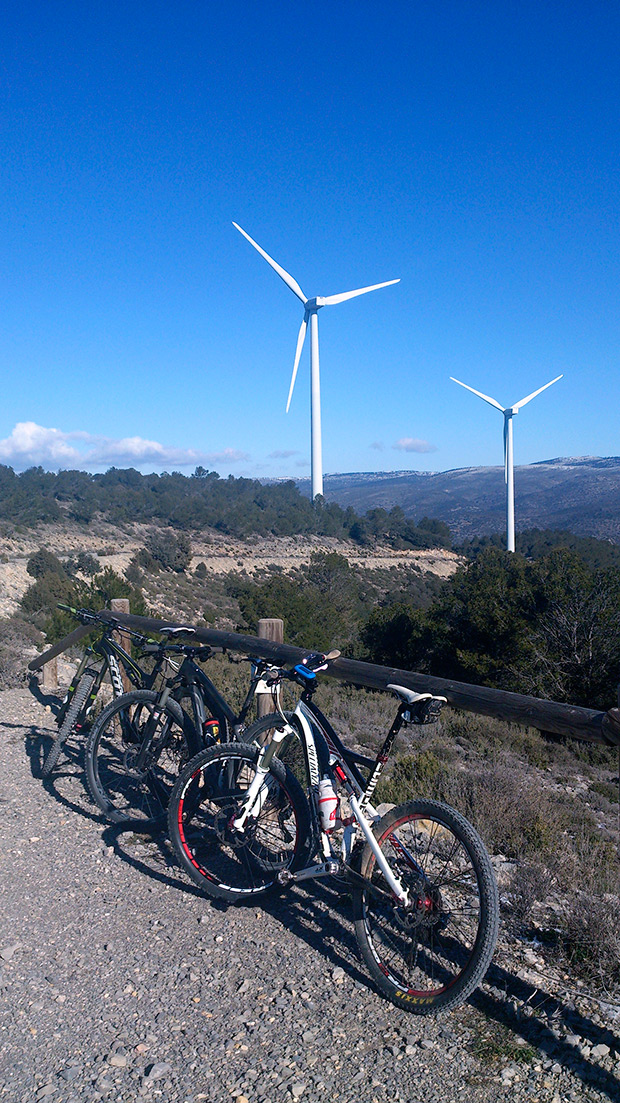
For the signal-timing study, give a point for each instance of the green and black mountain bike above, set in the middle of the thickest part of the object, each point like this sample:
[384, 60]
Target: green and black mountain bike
[138, 744]
[106, 656]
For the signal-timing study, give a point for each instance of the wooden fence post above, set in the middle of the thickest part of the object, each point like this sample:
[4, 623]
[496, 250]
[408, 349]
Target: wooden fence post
[50, 674]
[121, 605]
[269, 628]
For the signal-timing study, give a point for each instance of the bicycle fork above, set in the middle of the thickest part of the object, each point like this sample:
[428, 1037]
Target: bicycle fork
[258, 789]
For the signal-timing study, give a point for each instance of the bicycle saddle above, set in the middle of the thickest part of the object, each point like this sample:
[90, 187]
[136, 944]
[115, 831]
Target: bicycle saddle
[409, 696]
[424, 708]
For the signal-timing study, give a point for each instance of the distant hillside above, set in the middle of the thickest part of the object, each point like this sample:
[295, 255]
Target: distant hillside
[579, 494]
[235, 507]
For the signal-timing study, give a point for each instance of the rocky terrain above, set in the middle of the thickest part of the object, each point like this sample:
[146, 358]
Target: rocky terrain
[119, 981]
[114, 548]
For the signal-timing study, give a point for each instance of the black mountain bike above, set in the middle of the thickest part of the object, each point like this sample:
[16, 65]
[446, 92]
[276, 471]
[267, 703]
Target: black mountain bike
[425, 901]
[140, 741]
[105, 656]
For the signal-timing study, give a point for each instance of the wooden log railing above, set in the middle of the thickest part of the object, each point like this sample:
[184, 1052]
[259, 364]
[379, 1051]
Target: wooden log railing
[569, 721]
[554, 717]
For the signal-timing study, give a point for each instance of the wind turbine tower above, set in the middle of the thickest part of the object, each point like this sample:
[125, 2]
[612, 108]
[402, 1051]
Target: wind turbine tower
[311, 310]
[509, 473]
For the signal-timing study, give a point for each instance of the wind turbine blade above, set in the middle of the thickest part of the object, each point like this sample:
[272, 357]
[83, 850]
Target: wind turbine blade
[300, 344]
[505, 449]
[331, 300]
[283, 274]
[529, 398]
[486, 398]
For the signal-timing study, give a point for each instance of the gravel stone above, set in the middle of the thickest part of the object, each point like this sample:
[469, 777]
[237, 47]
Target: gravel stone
[156, 1071]
[601, 1050]
[118, 1060]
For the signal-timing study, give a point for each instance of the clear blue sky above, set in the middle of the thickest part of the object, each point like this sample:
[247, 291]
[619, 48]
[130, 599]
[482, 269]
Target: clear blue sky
[470, 149]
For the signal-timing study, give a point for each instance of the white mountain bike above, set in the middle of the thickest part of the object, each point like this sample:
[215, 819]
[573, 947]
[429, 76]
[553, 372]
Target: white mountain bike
[425, 900]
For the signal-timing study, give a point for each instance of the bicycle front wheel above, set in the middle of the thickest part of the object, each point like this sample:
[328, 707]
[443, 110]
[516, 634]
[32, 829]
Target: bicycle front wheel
[133, 756]
[74, 715]
[290, 751]
[227, 863]
[429, 955]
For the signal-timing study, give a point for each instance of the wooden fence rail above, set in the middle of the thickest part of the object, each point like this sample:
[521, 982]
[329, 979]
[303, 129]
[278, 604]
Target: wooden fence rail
[569, 721]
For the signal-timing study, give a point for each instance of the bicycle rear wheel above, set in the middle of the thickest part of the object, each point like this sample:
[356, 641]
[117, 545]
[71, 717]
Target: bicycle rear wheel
[131, 782]
[73, 716]
[229, 864]
[431, 955]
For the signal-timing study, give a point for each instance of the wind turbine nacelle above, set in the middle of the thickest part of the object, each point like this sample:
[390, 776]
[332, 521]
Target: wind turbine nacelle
[314, 304]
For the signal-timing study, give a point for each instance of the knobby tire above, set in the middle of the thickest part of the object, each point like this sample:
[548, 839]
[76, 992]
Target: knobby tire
[72, 716]
[230, 865]
[126, 795]
[431, 956]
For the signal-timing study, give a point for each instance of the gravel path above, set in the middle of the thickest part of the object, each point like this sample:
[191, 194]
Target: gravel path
[121, 982]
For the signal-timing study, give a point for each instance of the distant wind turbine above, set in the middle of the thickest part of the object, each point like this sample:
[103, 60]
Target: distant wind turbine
[509, 473]
[311, 309]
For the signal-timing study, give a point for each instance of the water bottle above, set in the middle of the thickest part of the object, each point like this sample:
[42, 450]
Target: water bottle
[328, 803]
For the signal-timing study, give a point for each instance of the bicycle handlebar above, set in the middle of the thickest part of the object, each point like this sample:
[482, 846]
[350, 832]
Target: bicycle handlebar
[110, 624]
[305, 672]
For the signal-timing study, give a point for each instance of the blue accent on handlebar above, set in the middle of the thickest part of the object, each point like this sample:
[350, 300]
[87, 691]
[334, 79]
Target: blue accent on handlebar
[308, 675]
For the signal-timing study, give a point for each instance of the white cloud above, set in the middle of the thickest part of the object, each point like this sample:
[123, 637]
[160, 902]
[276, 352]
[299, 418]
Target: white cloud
[282, 455]
[31, 444]
[410, 444]
[378, 446]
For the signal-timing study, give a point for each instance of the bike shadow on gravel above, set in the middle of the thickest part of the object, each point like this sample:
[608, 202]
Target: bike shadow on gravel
[324, 922]
[506, 1004]
[70, 769]
[54, 700]
[37, 744]
[321, 916]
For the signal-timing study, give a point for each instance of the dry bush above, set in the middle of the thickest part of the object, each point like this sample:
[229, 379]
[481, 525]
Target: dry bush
[590, 938]
[16, 636]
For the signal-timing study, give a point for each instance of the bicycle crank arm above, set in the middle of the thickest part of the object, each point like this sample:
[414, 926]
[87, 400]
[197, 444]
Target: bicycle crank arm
[323, 869]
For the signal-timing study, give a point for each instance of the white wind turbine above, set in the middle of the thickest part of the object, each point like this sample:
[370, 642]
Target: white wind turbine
[311, 309]
[509, 473]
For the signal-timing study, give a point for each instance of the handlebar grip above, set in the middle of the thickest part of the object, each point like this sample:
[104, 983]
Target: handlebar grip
[85, 615]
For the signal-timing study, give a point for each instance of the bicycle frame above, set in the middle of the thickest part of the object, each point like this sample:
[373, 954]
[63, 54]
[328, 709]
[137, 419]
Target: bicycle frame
[326, 755]
[112, 655]
[193, 680]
